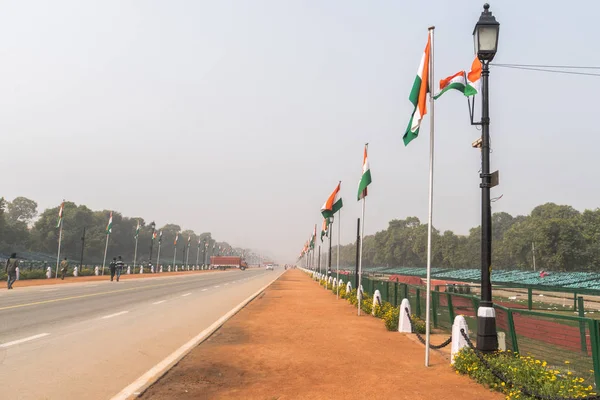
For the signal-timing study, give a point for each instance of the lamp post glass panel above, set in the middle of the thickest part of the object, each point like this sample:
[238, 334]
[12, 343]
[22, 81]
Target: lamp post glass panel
[485, 36]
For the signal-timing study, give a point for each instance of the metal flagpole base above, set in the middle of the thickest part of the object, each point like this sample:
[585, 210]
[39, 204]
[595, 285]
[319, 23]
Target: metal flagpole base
[487, 336]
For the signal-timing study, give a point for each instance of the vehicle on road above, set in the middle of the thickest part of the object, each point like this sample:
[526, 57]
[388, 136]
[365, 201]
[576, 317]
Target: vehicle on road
[269, 267]
[224, 262]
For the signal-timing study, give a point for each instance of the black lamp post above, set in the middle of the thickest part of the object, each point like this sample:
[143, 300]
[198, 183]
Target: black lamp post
[152, 225]
[485, 36]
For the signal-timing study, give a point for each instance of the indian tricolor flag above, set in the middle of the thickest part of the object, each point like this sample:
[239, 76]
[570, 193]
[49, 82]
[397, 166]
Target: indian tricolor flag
[333, 203]
[176, 238]
[60, 214]
[137, 230]
[109, 226]
[418, 96]
[457, 81]
[325, 228]
[474, 78]
[468, 84]
[365, 179]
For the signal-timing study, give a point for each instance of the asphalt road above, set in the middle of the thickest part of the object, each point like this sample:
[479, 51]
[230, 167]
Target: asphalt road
[90, 340]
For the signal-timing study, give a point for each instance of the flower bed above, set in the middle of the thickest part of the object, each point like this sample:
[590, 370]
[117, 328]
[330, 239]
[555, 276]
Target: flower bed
[534, 375]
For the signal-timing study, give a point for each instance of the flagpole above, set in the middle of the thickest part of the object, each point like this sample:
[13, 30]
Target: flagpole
[430, 218]
[198, 256]
[187, 256]
[362, 234]
[319, 258]
[105, 251]
[157, 257]
[174, 256]
[135, 252]
[329, 257]
[338, 254]
[59, 242]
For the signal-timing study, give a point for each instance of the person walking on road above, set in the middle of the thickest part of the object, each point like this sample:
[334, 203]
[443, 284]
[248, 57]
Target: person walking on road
[119, 266]
[64, 267]
[113, 268]
[11, 269]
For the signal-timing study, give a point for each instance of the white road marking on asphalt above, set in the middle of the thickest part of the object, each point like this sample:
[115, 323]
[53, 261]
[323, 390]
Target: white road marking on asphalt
[27, 339]
[187, 294]
[226, 283]
[217, 286]
[49, 290]
[114, 315]
[159, 369]
[158, 302]
[204, 290]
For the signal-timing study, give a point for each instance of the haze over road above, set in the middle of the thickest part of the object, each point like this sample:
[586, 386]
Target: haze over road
[90, 340]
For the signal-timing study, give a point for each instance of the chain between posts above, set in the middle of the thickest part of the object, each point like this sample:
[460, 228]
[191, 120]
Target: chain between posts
[507, 381]
[432, 346]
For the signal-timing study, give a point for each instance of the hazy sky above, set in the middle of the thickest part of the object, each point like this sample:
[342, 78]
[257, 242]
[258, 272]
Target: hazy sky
[239, 117]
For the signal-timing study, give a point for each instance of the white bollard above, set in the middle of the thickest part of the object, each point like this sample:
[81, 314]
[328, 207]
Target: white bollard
[75, 271]
[176, 268]
[18, 273]
[129, 270]
[501, 341]
[348, 287]
[330, 280]
[458, 341]
[404, 321]
[96, 271]
[141, 269]
[152, 269]
[340, 283]
[376, 300]
[169, 268]
[334, 283]
[49, 273]
[160, 269]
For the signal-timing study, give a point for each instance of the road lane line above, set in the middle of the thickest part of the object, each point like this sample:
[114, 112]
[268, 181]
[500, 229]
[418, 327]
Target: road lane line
[19, 341]
[154, 373]
[48, 290]
[114, 315]
[217, 286]
[158, 302]
[226, 283]
[204, 290]
[187, 294]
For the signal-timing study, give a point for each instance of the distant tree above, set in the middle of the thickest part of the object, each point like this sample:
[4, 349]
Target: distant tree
[21, 209]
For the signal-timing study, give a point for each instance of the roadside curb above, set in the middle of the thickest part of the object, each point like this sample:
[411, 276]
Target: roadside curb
[141, 384]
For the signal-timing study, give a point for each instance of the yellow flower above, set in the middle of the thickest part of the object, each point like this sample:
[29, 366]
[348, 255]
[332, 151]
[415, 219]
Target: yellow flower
[544, 364]
[503, 384]
[567, 362]
[569, 373]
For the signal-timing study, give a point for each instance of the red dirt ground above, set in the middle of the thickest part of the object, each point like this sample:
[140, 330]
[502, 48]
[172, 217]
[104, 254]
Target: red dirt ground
[296, 341]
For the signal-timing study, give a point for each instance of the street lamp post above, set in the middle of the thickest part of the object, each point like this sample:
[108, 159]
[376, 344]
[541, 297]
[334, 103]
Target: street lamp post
[485, 36]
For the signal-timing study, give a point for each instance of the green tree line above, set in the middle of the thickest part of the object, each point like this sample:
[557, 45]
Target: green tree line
[564, 240]
[36, 237]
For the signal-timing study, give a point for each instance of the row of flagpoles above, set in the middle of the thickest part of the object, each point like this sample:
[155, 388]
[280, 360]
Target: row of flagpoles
[60, 223]
[468, 85]
[333, 206]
